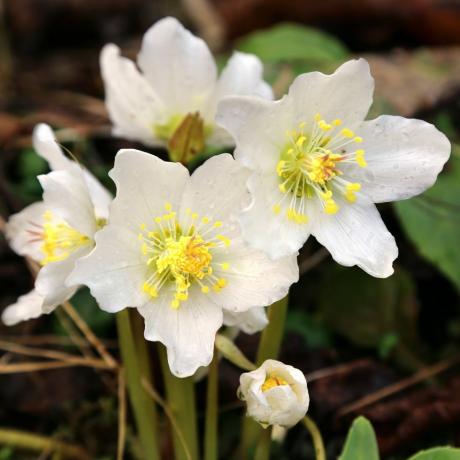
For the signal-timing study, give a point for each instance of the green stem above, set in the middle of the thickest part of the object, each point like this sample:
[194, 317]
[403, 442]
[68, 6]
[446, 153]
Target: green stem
[263, 447]
[134, 352]
[269, 348]
[211, 427]
[316, 436]
[180, 394]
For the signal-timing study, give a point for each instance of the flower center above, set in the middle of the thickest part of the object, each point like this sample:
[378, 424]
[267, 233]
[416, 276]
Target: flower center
[309, 166]
[59, 239]
[179, 255]
[273, 381]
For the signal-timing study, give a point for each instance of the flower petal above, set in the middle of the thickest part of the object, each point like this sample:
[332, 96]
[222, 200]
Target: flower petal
[132, 103]
[404, 157]
[187, 332]
[66, 194]
[259, 128]
[267, 231]
[28, 306]
[356, 235]
[250, 321]
[114, 271]
[178, 65]
[345, 94]
[46, 146]
[144, 185]
[217, 189]
[23, 231]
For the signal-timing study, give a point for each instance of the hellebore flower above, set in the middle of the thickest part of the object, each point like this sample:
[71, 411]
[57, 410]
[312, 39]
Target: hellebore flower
[57, 231]
[178, 85]
[318, 168]
[275, 394]
[172, 249]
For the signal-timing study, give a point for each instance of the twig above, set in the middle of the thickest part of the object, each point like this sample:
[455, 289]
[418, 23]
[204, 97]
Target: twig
[121, 415]
[42, 366]
[312, 261]
[49, 339]
[389, 390]
[89, 334]
[159, 400]
[334, 370]
[36, 443]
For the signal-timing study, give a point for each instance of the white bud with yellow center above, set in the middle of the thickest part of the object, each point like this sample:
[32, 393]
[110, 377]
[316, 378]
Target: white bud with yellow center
[275, 394]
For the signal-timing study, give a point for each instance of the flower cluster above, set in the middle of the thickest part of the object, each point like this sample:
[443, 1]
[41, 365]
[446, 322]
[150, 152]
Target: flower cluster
[194, 252]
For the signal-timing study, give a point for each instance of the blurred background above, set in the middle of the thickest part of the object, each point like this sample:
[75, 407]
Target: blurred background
[387, 349]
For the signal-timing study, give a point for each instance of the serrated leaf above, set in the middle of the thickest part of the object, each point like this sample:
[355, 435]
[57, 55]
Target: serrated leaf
[432, 221]
[361, 443]
[438, 453]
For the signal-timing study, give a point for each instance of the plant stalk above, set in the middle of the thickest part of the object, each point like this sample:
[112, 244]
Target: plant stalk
[316, 437]
[264, 444]
[212, 406]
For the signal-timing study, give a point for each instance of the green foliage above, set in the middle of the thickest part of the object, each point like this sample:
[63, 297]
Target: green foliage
[304, 48]
[361, 443]
[438, 453]
[6, 453]
[312, 331]
[30, 165]
[432, 221]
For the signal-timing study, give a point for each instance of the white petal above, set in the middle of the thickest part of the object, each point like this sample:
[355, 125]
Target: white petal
[178, 65]
[356, 235]
[114, 271]
[100, 196]
[144, 185]
[132, 103]
[187, 332]
[263, 229]
[217, 189]
[259, 128]
[404, 157]
[27, 307]
[253, 278]
[250, 321]
[66, 194]
[46, 146]
[51, 281]
[243, 75]
[345, 94]
[23, 230]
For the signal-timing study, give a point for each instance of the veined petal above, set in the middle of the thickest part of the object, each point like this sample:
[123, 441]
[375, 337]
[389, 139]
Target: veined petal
[66, 194]
[249, 321]
[144, 185]
[28, 306]
[356, 235]
[258, 126]
[178, 65]
[271, 231]
[133, 105]
[23, 231]
[46, 146]
[187, 332]
[253, 278]
[243, 75]
[404, 157]
[114, 271]
[346, 94]
[217, 189]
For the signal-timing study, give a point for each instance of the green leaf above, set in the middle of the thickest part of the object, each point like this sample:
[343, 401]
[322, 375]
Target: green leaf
[312, 331]
[432, 221]
[438, 453]
[290, 42]
[361, 443]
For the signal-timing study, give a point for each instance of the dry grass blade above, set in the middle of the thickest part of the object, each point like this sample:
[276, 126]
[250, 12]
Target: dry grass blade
[121, 415]
[390, 390]
[42, 366]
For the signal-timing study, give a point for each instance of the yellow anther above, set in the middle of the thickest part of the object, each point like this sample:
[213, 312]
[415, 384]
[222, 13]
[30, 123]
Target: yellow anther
[358, 139]
[337, 122]
[217, 224]
[205, 220]
[222, 282]
[194, 215]
[175, 304]
[144, 249]
[205, 289]
[282, 188]
[181, 296]
[330, 206]
[301, 125]
[225, 266]
[168, 206]
[272, 382]
[143, 226]
[327, 194]
[280, 166]
[354, 186]
[276, 208]
[359, 156]
[158, 220]
[317, 117]
[347, 133]
[224, 240]
[324, 126]
[300, 141]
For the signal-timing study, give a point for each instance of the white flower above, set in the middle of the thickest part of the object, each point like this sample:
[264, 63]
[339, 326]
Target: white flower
[172, 249]
[179, 77]
[275, 394]
[318, 168]
[250, 321]
[56, 231]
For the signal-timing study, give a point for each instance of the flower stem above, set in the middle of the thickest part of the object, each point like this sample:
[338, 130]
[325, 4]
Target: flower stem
[316, 436]
[263, 447]
[269, 347]
[211, 421]
[133, 353]
[180, 394]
